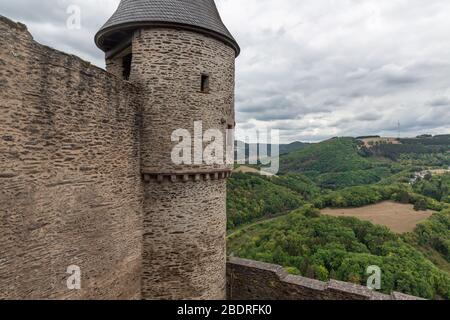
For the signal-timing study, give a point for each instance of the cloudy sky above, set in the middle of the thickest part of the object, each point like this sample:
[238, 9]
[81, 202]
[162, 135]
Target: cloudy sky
[313, 69]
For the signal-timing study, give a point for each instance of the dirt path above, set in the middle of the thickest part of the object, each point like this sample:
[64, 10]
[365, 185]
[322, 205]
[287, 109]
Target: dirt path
[260, 221]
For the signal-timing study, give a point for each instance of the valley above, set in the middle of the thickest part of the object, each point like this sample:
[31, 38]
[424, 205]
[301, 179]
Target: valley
[337, 207]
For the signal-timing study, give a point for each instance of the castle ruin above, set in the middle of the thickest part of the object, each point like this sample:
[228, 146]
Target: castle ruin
[86, 177]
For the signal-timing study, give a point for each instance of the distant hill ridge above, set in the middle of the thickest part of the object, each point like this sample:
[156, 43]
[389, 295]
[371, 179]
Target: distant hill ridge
[425, 139]
[283, 148]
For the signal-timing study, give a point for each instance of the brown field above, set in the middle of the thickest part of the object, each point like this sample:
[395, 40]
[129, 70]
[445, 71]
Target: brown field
[400, 218]
[439, 172]
[245, 169]
[370, 142]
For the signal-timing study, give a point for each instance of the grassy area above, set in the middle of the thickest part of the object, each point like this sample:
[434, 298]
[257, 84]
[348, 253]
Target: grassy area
[398, 217]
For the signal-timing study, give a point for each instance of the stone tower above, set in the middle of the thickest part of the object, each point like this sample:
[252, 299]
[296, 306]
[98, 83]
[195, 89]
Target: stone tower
[182, 57]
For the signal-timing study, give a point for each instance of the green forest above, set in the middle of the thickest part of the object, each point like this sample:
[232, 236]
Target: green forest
[278, 220]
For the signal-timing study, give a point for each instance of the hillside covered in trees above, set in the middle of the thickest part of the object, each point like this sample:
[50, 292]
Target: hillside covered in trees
[344, 173]
[322, 247]
[336, 163]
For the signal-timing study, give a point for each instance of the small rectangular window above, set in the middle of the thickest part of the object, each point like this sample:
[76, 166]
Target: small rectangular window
[126, 66]
[205, 83]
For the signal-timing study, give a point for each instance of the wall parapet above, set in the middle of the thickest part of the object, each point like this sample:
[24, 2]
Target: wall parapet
[254, 280]
[187, 176]
[70, 185]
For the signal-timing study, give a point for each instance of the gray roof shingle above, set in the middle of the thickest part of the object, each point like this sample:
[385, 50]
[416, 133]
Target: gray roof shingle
[198, 15]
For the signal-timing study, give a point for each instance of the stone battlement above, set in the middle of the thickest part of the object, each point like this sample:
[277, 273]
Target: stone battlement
[253, 280]
[187, 176]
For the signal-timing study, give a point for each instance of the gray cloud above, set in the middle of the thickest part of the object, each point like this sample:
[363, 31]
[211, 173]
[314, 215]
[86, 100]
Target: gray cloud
[369, 116]
[47, 22]
[440, 102]
[312, 69]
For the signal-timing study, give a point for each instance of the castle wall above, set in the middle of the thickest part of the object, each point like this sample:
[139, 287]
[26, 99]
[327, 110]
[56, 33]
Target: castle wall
[184, 240]
[184, 206]
[168, 63]
[70, 184]
[115, 67]
[253, 280]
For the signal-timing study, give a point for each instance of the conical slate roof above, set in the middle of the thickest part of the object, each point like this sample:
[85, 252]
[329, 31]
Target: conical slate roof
[198, 15]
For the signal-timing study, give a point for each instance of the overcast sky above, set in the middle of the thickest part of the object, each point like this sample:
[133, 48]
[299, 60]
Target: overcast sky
[314, 69]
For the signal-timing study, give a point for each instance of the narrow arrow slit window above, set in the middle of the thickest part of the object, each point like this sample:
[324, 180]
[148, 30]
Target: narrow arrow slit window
[205, 83]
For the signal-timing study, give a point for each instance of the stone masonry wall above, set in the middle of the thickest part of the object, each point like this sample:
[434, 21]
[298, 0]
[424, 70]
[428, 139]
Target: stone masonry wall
[184, 240]
[184, 205]
[252, 280]
[168, 64]
[70, 186]
[115, 67]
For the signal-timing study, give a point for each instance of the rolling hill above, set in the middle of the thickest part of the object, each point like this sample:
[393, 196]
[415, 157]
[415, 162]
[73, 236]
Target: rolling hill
[334, 155]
